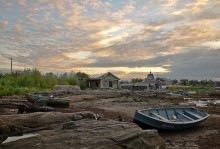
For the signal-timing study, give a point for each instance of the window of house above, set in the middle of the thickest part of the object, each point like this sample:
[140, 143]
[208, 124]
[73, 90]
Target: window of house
[110, 83]
[97, 84]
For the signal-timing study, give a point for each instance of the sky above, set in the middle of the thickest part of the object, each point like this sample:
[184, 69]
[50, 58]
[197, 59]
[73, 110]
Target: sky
[176, 39]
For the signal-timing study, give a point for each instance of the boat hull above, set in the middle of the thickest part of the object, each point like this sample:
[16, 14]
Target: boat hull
[148, 122]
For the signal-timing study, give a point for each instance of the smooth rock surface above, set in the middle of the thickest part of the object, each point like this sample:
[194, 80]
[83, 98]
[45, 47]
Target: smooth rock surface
[80, 130]
[92, 134]
[42, 120]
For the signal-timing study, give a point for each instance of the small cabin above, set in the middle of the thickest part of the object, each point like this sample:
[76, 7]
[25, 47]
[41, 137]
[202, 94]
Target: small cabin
[107, 80]
[140, 86]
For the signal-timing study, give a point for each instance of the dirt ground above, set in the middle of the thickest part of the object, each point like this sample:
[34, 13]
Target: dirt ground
[122, 108]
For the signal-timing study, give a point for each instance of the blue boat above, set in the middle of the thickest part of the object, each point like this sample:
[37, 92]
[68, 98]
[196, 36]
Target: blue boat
[173, 118]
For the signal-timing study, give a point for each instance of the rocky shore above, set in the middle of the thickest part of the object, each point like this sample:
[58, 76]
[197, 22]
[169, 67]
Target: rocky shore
[103, 119]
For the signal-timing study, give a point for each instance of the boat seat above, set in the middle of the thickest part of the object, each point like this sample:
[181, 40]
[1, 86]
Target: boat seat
[160, 117]
[185, 116]
[195, 115]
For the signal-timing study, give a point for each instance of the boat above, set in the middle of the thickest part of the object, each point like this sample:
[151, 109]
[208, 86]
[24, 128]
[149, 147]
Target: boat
[172, 118]
[47, 101]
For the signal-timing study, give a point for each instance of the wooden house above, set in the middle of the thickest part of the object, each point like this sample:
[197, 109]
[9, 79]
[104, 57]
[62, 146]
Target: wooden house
[107, 80]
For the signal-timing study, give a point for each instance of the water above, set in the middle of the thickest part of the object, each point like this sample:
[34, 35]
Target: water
[203, 103]
[15, 138]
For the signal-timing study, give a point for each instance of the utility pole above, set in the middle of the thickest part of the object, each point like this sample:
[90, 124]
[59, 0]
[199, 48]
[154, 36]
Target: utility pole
[11, 65]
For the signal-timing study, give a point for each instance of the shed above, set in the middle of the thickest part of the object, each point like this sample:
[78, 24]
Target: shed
[107, 80]
[128, 86]
[140, 86]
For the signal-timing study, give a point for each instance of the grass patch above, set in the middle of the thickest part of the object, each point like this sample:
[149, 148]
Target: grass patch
[191, 88]
[27, 81]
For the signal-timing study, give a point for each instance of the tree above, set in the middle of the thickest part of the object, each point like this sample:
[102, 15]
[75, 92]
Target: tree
[204, 82]
[174, 81]
[211, 83]
[135, 80]
[193, 82]
[217, 83]
[65, 75]
[82, 75]
[50, 75]
[184, 81]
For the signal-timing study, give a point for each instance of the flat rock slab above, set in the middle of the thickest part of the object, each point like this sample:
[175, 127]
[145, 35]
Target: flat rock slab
[42, 119]
[91, 134]
[87, 133]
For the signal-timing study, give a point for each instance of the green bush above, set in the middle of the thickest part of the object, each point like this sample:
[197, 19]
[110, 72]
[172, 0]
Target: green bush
[25, 80]
[63, 81]
[82, 85]
[6, 92]
[17, 91]
[72, 81]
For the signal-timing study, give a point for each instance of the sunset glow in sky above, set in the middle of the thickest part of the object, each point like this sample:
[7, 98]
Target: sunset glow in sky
[174, 38]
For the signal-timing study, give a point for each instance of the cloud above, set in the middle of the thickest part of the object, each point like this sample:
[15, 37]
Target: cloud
[199, 63]
[128, 38]
[211, 44]
[4, 25]
[95, 3]
[127, 9]
[22, 3]
[18, 27]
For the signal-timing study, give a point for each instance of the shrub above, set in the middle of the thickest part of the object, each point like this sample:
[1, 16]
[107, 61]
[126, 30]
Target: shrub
[72, 81]
[17, 91]
[82, 85]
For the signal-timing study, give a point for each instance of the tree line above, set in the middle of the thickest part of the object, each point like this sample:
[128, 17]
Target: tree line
[186, 82]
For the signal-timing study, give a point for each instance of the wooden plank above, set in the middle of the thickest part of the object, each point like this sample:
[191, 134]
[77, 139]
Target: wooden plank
[185, 116]
[159, 116]
[167, 114]
[176, 115]
[193, 114]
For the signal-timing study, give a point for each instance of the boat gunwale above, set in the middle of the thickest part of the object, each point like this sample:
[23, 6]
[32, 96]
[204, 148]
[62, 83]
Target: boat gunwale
[172, 122]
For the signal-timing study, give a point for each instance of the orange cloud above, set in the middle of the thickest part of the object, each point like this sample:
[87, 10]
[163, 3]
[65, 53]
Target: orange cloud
[4, 25]
[18, 27]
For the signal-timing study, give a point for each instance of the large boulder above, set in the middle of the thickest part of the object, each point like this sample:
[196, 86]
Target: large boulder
[91, 134]
[27, 122]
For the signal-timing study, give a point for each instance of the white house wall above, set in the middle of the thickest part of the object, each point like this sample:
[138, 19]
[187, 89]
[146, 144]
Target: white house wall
[105, 81]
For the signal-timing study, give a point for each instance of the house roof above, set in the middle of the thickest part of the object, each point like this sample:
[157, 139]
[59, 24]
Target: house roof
[141, 84]
[130, 84]
[108, 73]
